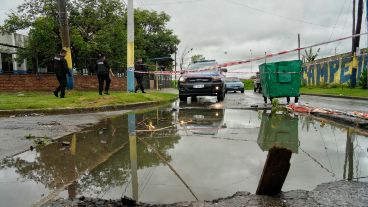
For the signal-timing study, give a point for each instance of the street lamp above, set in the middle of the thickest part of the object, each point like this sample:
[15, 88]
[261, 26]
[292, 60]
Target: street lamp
[185, 53]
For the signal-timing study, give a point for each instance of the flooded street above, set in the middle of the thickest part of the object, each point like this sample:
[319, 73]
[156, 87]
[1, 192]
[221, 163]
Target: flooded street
[184, 152]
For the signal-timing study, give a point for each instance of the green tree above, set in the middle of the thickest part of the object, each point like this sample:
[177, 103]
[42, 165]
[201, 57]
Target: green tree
[96, 26]
[42, 44]
[197, 57]
[153, 39]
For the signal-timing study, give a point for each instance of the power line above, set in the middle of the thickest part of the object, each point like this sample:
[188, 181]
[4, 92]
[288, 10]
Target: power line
[173, 2]
[337, 20]
[345, 21]
[276, 15]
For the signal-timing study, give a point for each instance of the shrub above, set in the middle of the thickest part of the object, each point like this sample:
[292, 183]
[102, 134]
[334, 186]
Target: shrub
[333, 85]
[248, 84]
[322, 85]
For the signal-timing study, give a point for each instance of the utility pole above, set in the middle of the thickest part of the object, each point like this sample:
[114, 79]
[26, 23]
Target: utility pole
[175, 68]
[356, 41]
[265, 57]
[64, 34]
[130, 48]
[367, 38]
[251, 62]
[353, 28]
[298, 46]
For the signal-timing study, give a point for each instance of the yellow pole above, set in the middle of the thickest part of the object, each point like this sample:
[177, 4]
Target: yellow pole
[130, 48]
[65, 39]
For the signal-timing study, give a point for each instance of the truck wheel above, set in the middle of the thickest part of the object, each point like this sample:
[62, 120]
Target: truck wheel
[183, 98]
[242, 91]
[220, 97]
[265, 99]
[194, 99]
[255, 90]
[296, 99]
[288, 100]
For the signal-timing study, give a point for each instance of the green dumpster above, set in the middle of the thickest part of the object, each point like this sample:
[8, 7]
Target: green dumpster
[281, 79]
[278, 130]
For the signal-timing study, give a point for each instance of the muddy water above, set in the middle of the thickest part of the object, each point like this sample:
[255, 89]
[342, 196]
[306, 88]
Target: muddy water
[165, 156]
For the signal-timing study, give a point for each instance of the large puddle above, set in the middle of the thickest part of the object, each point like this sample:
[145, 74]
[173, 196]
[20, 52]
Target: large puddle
[166, 156]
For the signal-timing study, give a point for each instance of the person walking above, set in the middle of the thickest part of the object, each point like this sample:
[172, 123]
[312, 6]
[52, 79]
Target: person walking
[61, 70]
[138, 69]
[103, 70]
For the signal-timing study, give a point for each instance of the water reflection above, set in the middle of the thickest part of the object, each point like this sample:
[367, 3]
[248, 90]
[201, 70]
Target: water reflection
[91, 162]
[166, 155]
[201, 121]
[133, 154]
[278, 135]
[278, 130]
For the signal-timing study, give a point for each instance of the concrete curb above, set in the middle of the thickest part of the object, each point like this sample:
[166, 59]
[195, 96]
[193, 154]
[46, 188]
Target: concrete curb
[335, 96]
[50, 111]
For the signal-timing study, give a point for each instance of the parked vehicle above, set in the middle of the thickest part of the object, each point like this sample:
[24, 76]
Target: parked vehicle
[195, 82]
[257, 86]
[234, 84]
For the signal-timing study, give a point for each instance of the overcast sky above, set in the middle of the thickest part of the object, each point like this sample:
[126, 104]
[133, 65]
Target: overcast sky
[227, 30]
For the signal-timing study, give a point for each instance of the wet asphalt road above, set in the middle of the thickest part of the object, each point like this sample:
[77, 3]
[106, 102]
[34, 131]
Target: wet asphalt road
[249, 98]
[237, 100]
[14, 129]
[214, 134]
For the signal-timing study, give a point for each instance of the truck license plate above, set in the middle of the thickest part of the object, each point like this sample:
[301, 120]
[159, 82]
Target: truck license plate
[198, 86]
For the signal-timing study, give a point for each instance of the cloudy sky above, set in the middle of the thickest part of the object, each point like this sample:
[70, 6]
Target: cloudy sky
[228, 30]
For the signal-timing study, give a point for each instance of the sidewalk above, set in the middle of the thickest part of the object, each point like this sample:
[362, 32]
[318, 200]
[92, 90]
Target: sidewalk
[336, 96]
[168, 90]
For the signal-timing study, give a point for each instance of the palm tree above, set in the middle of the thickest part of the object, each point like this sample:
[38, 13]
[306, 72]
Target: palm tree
[310, 56]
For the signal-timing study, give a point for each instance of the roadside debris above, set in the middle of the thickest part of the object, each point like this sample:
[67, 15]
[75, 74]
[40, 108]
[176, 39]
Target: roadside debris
[355, 118]
[26, 115]
[43, 141]
[49, 124]
[102, 130]
[39, 141]
[30, 136]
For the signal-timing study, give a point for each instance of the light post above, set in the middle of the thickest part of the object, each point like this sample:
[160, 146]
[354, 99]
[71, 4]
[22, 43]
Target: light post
[185, 53]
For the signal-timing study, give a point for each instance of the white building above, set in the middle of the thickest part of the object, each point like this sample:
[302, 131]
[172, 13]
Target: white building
[8, 49]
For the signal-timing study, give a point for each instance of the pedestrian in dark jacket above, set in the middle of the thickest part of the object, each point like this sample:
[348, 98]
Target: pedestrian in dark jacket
[103, 70]
[138, 69]
[61, 70]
